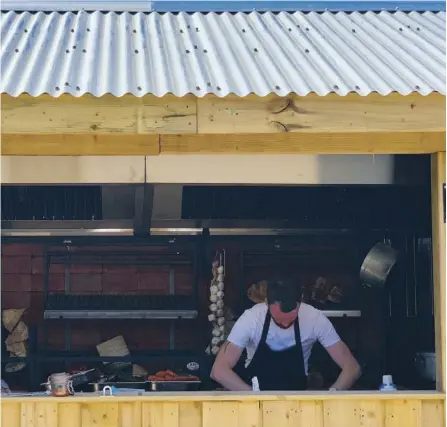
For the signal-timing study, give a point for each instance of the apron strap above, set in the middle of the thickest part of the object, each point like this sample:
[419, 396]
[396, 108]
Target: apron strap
[300, 361]
[265, 328]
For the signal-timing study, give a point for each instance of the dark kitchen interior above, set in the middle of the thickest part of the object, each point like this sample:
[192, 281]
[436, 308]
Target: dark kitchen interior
[330, 231]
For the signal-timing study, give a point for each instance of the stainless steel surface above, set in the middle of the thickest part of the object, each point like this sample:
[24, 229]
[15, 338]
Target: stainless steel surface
[173, 227]
[378, 264]
[174, 385]
[342, 313]
[120, 314]
[99, 386]
[242, 53]
[426, 365]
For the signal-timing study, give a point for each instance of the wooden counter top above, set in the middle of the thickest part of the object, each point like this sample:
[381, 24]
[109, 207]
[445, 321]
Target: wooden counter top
[236, 396]
[225, 409]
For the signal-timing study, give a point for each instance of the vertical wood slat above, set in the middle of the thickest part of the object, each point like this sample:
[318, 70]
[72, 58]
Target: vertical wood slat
[438, 164]
[69, 415]
[11, 415]
[400, 413]
[278, 413]
[292, 414]
[100, 415]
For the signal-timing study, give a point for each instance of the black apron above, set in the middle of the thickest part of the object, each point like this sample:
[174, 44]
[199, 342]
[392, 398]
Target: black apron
[276, 370]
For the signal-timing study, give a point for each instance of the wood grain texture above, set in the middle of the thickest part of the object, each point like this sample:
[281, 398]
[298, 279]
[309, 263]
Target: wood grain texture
[232, 114]
[313, 113]
[438, 179]
[89, 144]
[359, 412]
[305, 143]
[108, 114]
[256, 143]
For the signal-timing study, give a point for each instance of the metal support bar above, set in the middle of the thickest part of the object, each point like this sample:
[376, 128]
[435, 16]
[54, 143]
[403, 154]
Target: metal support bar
[144, 201]
[172, 324]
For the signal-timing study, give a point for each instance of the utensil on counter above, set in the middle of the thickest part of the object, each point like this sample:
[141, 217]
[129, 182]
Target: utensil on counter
[59, 385]
[174, 385]
[378, 264]
[426, 365]
[99, 386]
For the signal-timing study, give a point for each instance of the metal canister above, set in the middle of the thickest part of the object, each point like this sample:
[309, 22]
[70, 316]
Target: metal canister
[60, 384]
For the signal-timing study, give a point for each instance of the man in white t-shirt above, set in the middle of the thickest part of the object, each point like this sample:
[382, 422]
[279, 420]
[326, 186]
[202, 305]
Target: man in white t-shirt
[278, 336]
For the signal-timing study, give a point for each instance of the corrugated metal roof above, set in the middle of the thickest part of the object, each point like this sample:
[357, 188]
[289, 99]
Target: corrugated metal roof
[240, 53]
[222, 5]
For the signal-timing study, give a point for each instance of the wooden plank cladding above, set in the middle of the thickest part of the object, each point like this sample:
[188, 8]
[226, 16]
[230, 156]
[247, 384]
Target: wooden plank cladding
[146, 412]
[213, 115]
[91, 144]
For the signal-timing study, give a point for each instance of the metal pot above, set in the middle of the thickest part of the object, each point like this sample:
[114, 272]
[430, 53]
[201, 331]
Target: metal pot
[377, 265]
[426, 365]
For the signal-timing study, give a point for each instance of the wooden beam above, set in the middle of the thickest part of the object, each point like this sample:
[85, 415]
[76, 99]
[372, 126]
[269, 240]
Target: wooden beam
[232, 114]
[87, 144]
[438, 180]
[307, 143]
[279, 143]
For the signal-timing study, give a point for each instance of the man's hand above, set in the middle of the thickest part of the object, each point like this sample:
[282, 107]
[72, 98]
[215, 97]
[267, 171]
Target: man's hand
[350, 369]
[222, 370]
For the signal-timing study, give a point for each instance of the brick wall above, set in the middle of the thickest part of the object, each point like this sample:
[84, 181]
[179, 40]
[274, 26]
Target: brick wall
[23, 281]
[23, 287]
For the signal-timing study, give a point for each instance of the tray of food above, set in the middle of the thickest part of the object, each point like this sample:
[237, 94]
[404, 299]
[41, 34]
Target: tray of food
[170, 381]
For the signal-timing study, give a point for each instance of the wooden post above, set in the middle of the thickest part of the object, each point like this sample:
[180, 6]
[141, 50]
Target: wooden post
[439, 278]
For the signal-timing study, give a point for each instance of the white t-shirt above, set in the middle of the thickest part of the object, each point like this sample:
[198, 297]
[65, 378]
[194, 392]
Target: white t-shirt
[314, 326]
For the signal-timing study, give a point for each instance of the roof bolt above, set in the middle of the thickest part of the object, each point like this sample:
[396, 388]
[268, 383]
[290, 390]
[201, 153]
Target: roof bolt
[67, 84]
[307, 51]
[298, 26]
[135, 31]
[16, 50]
[400, 29]
[78, 88]
[26, 30]
[256, 50]
[57, 88]
[243, 30]
[136, 51]
[357, 88]
[88, 30]
[195, 46]
[197, 87]
[307, 29]
[418, 29]
[205, 51]
[218, 88]
[187, 51]
[290, 29]
[189, 27]
[181, 31]
[84, 51]
[197, 30]
[417, 87]
[336, 87]
[353, 30]
[67, 51]
[139, 88]
[72, 30]
[208, 84]
[277, 88]
[74, 47]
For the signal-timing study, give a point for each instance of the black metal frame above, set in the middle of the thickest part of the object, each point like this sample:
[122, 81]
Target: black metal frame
[144, 201]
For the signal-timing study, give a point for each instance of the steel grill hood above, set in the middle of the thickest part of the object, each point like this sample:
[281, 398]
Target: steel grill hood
[131, 206]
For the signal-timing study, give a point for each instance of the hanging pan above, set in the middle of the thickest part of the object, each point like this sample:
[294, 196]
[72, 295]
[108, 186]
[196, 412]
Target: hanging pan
[378, 264]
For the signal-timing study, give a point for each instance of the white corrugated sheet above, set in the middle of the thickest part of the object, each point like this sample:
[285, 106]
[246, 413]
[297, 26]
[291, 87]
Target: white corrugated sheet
[240, 53]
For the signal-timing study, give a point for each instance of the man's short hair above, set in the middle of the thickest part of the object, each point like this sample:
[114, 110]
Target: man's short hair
[285, 293]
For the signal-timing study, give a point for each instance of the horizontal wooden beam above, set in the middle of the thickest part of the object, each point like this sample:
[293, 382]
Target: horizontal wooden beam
[261, 143]
[228, 115]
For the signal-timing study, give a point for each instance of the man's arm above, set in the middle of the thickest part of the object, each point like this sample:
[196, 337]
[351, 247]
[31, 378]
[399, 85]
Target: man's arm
[222, 370]
[350, 369]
